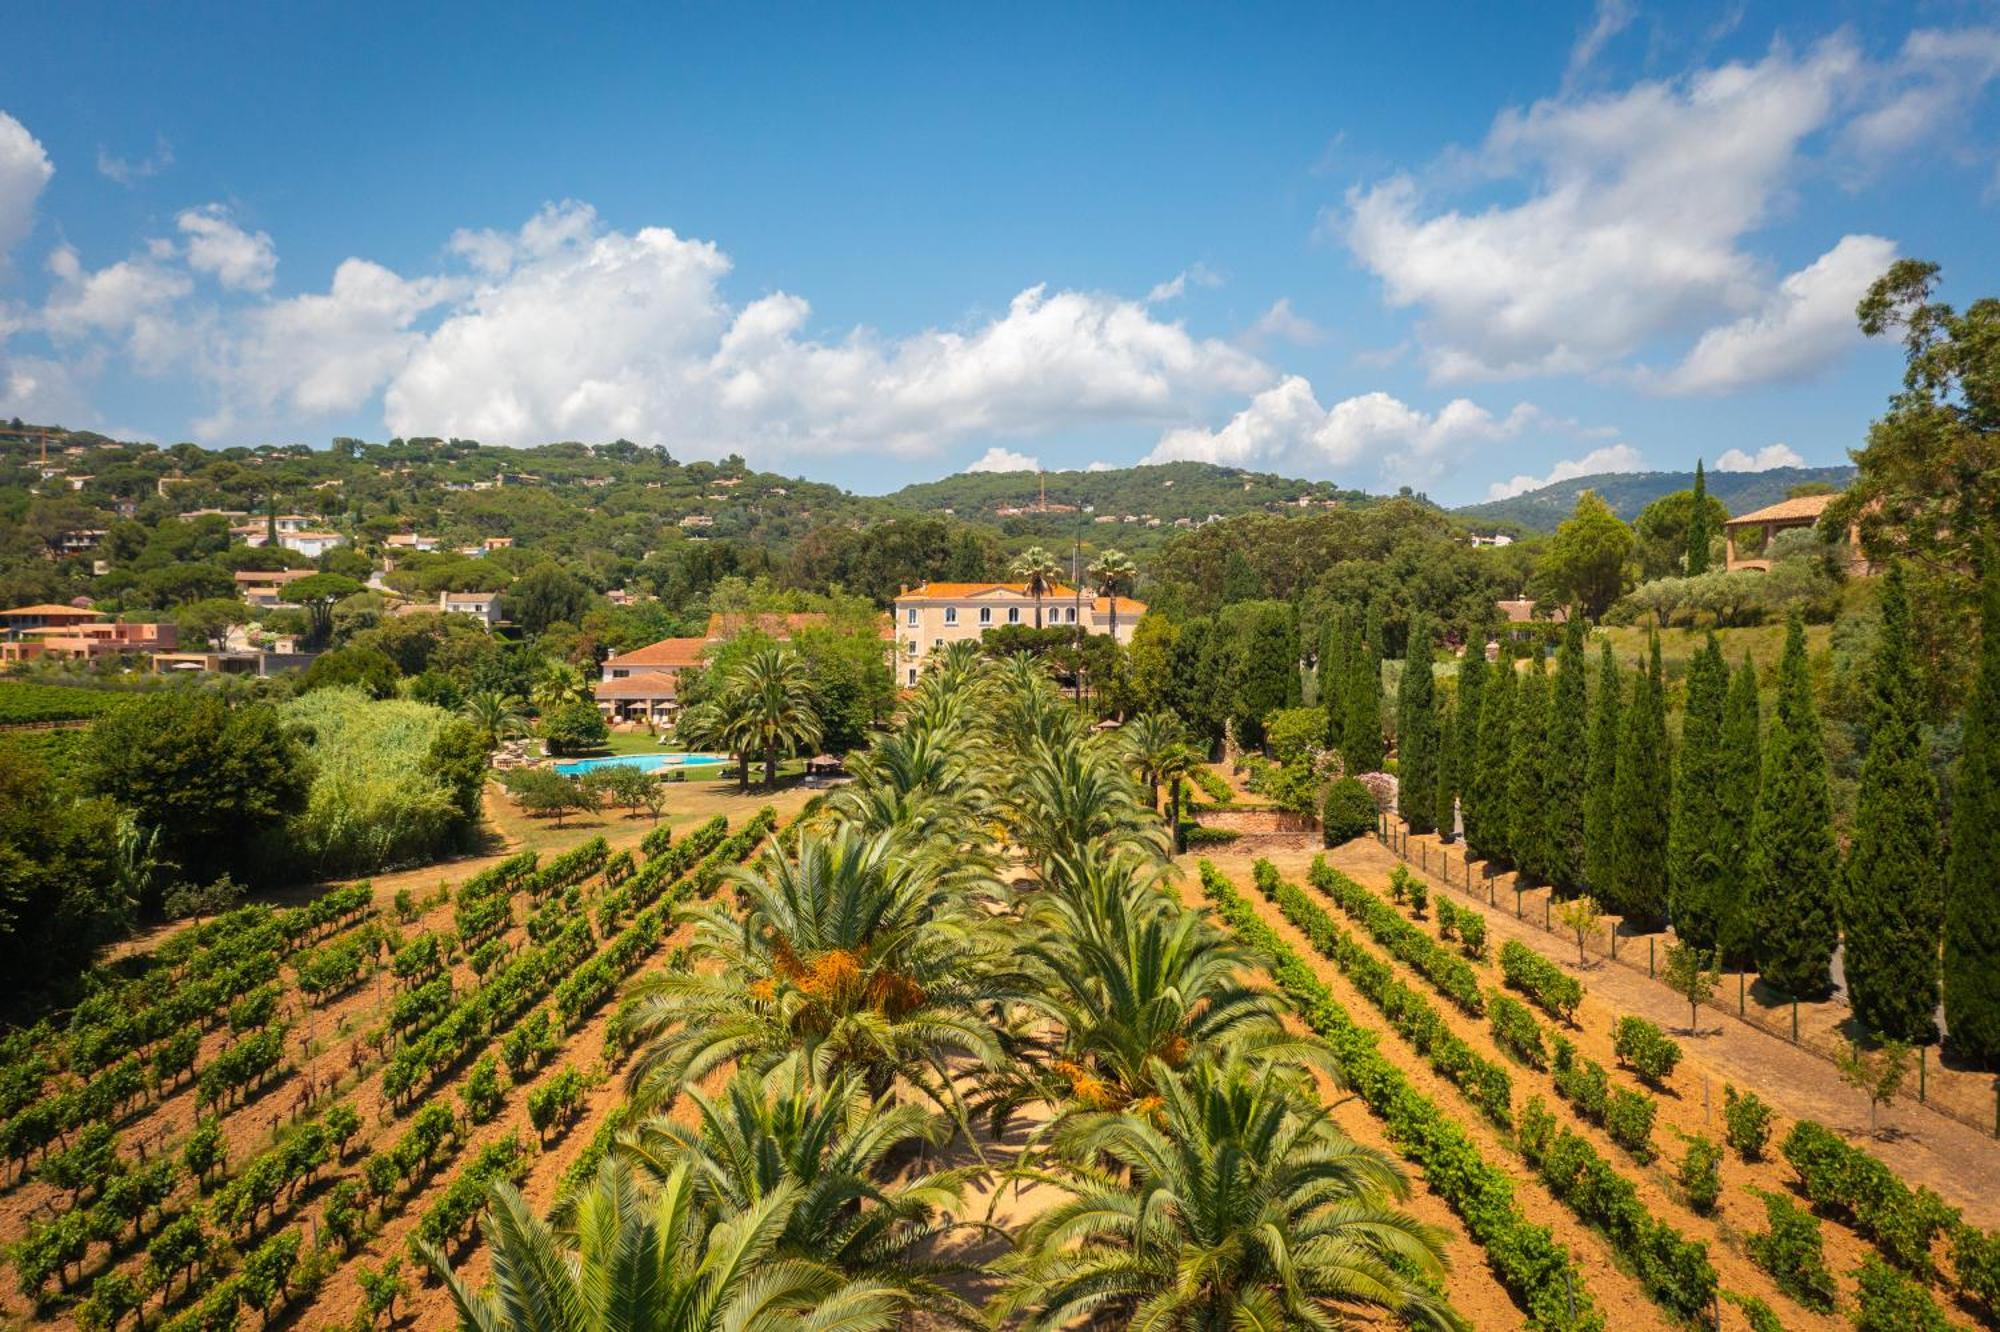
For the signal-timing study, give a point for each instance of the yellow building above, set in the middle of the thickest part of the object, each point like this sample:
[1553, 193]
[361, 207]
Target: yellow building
[930, 616]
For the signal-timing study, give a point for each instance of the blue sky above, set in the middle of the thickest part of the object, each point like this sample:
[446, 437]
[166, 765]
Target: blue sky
[1462, 251]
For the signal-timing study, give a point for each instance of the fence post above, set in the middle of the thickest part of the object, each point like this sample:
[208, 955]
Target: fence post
[1922, 1079]
[1517, 899]
[1548, 907]
[1740, 988]
[1649, 955]
[1614, 943]
[1795, 1022]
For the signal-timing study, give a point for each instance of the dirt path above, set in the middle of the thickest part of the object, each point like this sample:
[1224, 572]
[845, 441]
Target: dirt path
[1962, 1166]
[1616, 1292]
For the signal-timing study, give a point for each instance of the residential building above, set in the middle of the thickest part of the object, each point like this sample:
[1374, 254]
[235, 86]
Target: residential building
[261, 664]
[484, 605]
[89, 642]
[410, 541]
[265, 588]
[311, 544]
[47, 615]
[1785, 516]
[647, 696]
[930, 616]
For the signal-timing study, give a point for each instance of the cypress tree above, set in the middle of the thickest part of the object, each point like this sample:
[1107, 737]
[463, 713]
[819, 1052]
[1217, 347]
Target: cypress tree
[1699, 536]
[1642, 801]
[1496, 758]
[1972, 883]
[1331, 677]
[1527, 810]
[1742, 767]
[1465, 732]
[1893, 914]
[1600, 795]
[1445, 808]
[1696, 840]
[1794, 864]
[1417, 731]
[1361, 729]
[1568, 761]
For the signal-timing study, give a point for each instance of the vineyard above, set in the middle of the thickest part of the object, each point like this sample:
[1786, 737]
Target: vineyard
[1586, 1159]
[269, 1112]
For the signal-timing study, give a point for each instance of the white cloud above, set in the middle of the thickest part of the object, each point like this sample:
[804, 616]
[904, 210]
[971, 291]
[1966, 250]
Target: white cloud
[126, 172]
[1285, 426]
[1803, 326]
[24, 170]
[1632, 226]
[132, 299]
[1101, 466]
[1771, 455]
[1610, 18]
[1281, 323]
[997, 459]
[1197, 274]
[240, 260]
[1611, 458]
[1929, 88]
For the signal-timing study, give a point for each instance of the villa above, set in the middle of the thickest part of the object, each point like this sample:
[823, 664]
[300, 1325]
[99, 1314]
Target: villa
[265, 588]
[312, 545]
[23, 620]
[88, 642]
[485, 606]
[1802, 511]
[930, 616]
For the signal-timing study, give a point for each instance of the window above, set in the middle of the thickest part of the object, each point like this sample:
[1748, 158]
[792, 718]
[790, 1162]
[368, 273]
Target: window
[986, 615]
[951, 615]
[1072, 614]
[913, 675]
[1013, 615]
[911, 617]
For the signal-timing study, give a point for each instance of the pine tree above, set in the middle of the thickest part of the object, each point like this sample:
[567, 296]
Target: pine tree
[1699, 534]
[1696, 854]
[1642, 801]
[1794, 864]
[1568, 761]
[1527, 809]
[1417, 731]
[1361, 729]
[1893, 914]
[1972, 882]
[1600, 799]
[1742, 767]
[1496, 758]
[1465, 731]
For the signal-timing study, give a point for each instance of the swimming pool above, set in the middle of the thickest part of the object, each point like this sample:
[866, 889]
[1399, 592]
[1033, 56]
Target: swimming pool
[643, 762]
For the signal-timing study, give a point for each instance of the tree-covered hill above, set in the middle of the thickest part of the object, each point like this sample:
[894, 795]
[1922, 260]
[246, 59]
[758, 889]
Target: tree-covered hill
[1628, 492]
[1191, 490]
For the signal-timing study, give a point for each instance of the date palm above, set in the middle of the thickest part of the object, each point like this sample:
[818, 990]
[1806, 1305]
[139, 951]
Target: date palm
[1039, 570]
[836, 1151]
[656, 1260]
[1114, 574]
[1239, 1204]
[496, 716]
[768, 699]
[557, 683]
[1156, 746]
[1070, 796]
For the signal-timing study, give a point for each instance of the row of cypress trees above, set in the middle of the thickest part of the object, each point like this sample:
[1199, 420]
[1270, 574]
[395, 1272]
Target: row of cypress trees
[1729, 834]
[1349, 680]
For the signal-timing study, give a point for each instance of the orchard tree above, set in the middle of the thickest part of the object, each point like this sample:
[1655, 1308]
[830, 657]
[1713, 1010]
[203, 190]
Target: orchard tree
[1892, 916]
[1794, 863]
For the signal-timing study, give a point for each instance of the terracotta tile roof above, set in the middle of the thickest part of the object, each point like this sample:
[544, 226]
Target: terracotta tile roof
[1800, 509]
[955, 591]
[674, 653]
[1127, 607]
[1521, 610]
[647, 684]
[50, 608]
[271, 575]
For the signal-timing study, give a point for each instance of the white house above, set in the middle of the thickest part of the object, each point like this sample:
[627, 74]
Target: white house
[484, 605]
[310, 544]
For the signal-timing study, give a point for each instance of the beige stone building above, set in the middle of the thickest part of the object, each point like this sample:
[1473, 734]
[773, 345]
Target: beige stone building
[930, 616]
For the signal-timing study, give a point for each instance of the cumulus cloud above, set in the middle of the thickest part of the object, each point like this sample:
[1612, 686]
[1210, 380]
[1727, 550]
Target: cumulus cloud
[997, 459]
[25, 170]
[126, 172]
[1285, 426]
[1801, 328]
[1763, 460]
[1281, 323]
[1101, 466]
[240, 260]
[1611, 458]
[131, 300]
[1927, 90]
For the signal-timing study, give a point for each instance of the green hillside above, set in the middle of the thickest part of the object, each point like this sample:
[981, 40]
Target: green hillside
[1628, 492]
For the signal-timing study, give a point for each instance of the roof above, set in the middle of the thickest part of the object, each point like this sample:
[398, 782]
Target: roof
[51, 608]
[646, 684]
[271, 575]
[470, 598]
[671, 653]
[961, 591]
[723, 625]
[1521, 610]
[1802, 508]
[1126, 606]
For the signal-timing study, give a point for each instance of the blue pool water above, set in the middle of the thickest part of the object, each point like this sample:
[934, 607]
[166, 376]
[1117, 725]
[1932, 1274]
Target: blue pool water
[643, 762]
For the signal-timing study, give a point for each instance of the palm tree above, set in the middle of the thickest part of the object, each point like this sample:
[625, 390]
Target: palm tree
[659, 1261]
[1070, 796]
[865, 959]
[1039, 570]
[1113, 572]
[557, 683]
[496, 716]
[836, 1151]
[1156, 745]
[767, 698]
[1239, 1204]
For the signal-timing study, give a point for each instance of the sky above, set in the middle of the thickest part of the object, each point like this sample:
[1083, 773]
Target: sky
[1465, 249]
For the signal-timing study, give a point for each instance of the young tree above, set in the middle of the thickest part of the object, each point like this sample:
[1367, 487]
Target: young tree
[1600, 801]
[1876, 1073]
[1361, 728]
[1417, 731]
[1892, 916]
[1642, 801]
[1697, 858]
[1527, 812]
[1794, 863]
[1699, 535]
[1741, 778]
[1568, 760]
[1972, 887]
[1692, 974]
[1582, 917]
[1488, 831]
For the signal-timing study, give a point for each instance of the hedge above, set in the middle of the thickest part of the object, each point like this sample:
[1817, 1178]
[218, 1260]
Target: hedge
[1452, 975]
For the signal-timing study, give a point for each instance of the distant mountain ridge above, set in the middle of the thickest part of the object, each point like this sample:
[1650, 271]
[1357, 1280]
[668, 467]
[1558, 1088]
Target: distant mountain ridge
[1542, 509]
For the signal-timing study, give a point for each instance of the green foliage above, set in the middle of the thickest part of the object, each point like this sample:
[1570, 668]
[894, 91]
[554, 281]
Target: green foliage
[1698, 854]
[1628, 1120]
[1566, 765]
[1488, 828]
[1516, 1031]
[1554, 990]
[1600, 797]
[574, 727]
[1741, 778]
[360, 668]
[1888, 1301]
[1529, 844]
[378, 798]
[1418, 742]
[1747, 1122]
[1790, 1249]
[1586, 565]
[1794, 863]
[1641, 802]
[62, 893]
[1972, 889]
[1646, 1050]
[1846, 1181]
[1361, 746]
[1349, 812]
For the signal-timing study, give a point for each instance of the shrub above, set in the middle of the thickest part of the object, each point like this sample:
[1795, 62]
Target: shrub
[1792, 1251]
[1420, 897]
[1472, 933]
[1582, 1082]
[1628, 1119]
[1646, 1050]
[1194, 835]
[1975, 1257]
[482, 1093]
[1700, 1174]
[573, 728]
[1746, 1122]
[1890, 1302]
[1554, 990]
[1448, 974]
[1516, 1031]
[1759, 1314]
[1902, 1223]
[1349, 812]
